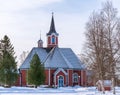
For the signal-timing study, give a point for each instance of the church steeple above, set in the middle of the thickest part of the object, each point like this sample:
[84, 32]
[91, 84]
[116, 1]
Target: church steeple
[52, 27]
[52, 35]
[40, 42]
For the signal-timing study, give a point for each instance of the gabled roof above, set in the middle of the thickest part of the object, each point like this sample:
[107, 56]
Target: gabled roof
[71, 58]
[54, 58]
[42, 53]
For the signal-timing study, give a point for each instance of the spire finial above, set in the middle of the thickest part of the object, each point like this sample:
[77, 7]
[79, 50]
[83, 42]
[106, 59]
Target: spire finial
[52, 13]
[40, 34]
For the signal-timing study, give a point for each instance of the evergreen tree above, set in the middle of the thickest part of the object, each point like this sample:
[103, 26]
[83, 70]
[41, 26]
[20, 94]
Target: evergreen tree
[36, 74]
[7, 46]
[8, 65]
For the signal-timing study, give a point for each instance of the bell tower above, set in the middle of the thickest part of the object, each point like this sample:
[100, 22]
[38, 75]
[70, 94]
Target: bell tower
[40, 42]
[52, 35]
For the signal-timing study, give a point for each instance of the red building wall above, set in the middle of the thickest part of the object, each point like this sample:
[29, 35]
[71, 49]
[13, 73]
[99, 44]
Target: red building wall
[49, 40]
[24, 76]
[69, 81]
[17, 83]
[52, 76]
[83, 78]
[47, 77]
[51, 72]
[70, 72]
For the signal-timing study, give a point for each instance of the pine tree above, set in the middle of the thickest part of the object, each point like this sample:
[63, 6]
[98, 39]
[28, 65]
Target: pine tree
[7, 46]
[36, 74]
[8, 65]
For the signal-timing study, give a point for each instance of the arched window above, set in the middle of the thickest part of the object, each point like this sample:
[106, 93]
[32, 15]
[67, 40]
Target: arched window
[75, 78]
[53, 39]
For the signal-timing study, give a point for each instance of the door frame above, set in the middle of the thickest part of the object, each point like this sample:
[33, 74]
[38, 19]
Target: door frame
[60, 79]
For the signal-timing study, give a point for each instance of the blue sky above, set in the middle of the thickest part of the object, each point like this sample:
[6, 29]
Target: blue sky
[22, 21]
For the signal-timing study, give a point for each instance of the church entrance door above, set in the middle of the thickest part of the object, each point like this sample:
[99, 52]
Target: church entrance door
[60, 81]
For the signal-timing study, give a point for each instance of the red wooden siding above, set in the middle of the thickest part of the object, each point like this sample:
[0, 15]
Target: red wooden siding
[24, 76]
[70, 72]
[69, 81]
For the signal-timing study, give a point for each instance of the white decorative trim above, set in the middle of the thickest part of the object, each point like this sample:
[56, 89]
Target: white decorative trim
[68, 78]
[81, 77]
[49, 77]
[20, 79]
[72, 76]
[55, 80]
[60, 69]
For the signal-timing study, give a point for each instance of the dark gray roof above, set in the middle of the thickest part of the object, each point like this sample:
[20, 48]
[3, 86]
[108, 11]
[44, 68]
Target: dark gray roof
[52, 27]
[42, 53]
[54, 58]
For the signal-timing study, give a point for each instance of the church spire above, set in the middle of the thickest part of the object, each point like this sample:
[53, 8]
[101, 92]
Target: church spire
[52, 26]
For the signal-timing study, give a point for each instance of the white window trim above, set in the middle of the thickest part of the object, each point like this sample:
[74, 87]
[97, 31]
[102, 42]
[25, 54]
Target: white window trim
[76, 77]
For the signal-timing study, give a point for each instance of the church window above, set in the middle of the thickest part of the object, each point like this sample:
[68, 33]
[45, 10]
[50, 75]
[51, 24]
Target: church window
[53, 40]
[75, 77]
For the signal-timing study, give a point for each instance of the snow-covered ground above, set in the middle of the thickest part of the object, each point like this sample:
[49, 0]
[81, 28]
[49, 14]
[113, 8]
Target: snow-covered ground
[55, 91]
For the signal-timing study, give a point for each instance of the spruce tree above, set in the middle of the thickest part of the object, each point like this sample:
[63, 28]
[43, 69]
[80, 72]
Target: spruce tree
[8, 65]
[7, 46]
[36, 75]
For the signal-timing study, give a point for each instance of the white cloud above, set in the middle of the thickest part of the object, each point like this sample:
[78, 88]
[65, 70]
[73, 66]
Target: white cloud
[16, 5]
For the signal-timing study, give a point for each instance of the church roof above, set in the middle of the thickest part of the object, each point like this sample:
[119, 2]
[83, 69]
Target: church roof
[54, 58]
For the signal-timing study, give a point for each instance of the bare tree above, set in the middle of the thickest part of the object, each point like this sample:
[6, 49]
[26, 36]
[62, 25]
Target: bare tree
[96, 44]
[23, 56]
[103, 41]
[111, 22]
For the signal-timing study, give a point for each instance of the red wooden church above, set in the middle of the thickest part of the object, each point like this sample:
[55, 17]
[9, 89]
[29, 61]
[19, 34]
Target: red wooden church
[62, 66]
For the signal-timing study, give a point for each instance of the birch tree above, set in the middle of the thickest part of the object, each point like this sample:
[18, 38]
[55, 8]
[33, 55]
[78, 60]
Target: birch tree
[103, 41]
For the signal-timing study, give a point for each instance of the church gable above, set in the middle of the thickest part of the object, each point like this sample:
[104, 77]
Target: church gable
[55, 60]
[60, 70]
[42, 53]
[62, 58]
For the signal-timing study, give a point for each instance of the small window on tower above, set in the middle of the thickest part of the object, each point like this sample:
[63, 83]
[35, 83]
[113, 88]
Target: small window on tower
[53, 40]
